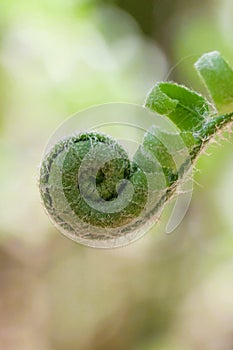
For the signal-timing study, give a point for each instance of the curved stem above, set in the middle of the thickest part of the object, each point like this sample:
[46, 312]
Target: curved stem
[215, 124]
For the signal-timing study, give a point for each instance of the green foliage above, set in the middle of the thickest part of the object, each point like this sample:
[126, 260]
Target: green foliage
[218, 77]
[189, 110]
[184, 107]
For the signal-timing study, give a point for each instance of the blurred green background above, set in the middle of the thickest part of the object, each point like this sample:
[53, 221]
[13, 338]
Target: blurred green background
[165, 292]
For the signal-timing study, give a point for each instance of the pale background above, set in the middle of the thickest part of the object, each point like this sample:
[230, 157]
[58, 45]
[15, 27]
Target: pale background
[162, 292]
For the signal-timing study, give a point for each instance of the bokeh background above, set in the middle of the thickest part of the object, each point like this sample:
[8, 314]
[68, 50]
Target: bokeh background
[165, 292]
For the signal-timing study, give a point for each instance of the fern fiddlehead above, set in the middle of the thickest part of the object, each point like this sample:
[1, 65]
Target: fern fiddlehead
[95, 193]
